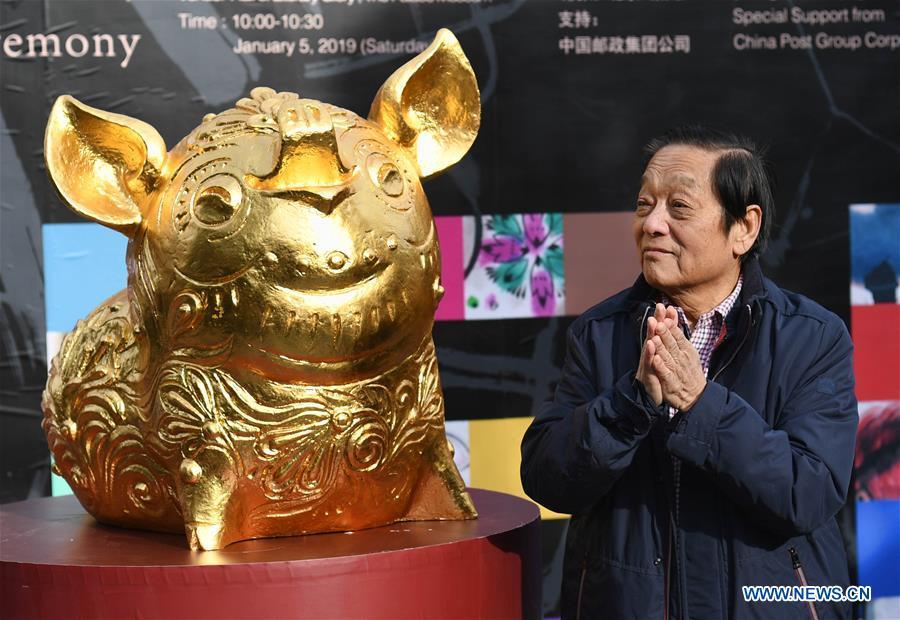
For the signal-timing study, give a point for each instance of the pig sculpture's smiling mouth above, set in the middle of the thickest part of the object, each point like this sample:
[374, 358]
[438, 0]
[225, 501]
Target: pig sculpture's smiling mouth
[337, 288]
[330, 328]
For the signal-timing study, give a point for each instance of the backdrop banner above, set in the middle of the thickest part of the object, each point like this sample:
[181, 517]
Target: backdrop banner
[534, 223]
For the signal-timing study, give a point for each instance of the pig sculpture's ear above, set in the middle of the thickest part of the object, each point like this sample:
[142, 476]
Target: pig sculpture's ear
[431, 105]
[103, 165]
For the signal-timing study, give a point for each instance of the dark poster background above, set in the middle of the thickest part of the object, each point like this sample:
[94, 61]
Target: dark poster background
[561, 132]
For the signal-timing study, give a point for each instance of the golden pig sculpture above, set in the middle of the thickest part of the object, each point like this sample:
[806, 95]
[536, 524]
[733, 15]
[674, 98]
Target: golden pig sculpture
[269, 370]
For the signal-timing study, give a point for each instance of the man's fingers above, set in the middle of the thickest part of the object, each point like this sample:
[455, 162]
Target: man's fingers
[672, 313]
[690, 357]
[659, 367]
[646, 359]
[681, 341]
[668, 316]
[661, 352]
[668, 375]
[652, 325]
[651, 382]
[668, 340]
[654, 387]
[659, 312]
[647, 355]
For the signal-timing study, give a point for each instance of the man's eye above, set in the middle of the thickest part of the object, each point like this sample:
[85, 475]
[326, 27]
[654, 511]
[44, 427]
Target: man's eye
[680, 209]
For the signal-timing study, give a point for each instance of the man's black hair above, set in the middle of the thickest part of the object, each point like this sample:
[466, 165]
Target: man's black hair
[740, 176]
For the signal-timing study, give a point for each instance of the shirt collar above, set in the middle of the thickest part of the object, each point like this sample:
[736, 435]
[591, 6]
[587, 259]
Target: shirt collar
[722, 309]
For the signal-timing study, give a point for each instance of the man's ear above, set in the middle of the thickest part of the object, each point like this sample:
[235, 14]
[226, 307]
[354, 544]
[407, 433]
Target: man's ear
[431, 105]
[746, 229]
[103, 165]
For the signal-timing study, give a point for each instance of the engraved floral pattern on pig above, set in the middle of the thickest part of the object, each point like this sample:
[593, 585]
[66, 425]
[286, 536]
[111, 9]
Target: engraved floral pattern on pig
[194, 416]
[296, 451]
[91, 430]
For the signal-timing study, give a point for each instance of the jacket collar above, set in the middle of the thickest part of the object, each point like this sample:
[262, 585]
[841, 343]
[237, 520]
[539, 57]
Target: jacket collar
[754, 287]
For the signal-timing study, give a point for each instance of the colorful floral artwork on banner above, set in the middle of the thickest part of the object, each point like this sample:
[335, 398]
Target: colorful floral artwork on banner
[519, 267]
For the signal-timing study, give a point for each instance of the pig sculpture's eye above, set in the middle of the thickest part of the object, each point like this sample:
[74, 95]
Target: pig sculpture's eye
[217, 199]
[390, 179]
[385, 174]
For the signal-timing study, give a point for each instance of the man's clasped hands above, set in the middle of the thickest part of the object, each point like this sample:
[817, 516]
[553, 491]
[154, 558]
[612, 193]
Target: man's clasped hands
[670, 367]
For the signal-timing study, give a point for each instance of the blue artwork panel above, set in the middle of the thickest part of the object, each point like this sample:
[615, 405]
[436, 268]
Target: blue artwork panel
[875, 253]
[878, 546]
[83, 265]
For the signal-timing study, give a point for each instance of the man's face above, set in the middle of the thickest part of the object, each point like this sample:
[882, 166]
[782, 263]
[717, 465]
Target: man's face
[678, 222]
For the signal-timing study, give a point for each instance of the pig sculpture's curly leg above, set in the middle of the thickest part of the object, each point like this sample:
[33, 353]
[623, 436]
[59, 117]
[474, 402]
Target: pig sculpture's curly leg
[207, 485]
[441, 493]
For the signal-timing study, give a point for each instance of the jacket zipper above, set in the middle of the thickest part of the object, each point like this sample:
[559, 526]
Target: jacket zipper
[668, 577]
[668, 567]
[676, 517]
[581, 588]
[676, 467]
[641, 336]
[676, 475]
[798, 570]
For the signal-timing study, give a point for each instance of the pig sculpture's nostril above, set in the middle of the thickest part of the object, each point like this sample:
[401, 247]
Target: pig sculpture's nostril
[324, 199]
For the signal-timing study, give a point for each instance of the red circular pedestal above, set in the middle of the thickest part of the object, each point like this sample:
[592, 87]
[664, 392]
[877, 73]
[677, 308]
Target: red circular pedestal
[57, 562]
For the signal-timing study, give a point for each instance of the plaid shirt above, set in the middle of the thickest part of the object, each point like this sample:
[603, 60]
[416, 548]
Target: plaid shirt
[709, 330]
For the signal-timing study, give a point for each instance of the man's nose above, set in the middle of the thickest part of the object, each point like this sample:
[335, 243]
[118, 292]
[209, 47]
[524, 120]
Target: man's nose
[656, 222]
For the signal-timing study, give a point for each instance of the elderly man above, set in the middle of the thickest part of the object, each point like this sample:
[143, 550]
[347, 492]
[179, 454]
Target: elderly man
[702, 431]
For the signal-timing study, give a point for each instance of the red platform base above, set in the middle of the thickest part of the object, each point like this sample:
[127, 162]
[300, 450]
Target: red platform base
[57, 562]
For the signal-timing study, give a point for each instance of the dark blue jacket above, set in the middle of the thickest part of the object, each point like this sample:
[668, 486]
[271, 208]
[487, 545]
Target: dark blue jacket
[740, 490]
